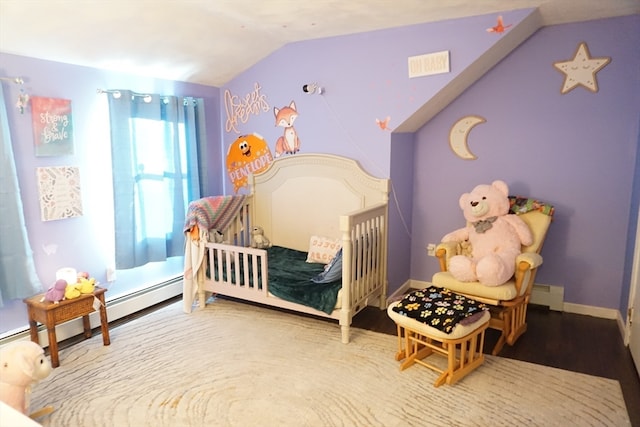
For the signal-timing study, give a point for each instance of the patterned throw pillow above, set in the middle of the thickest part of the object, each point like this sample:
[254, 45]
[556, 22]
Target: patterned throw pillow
[323, 249]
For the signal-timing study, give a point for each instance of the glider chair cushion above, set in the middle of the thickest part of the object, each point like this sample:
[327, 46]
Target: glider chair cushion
[508, 301]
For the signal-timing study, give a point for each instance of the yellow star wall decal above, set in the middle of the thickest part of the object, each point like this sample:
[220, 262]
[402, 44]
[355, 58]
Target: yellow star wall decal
[581, 70]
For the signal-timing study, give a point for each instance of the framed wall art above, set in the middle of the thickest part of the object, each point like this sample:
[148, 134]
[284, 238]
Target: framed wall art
[52, 126]
[60, 195]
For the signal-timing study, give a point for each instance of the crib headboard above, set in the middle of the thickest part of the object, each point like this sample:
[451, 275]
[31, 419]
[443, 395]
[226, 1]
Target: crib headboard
[303, 195]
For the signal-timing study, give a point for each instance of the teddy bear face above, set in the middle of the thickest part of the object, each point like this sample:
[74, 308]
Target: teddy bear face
[485, 201]
[23, 362]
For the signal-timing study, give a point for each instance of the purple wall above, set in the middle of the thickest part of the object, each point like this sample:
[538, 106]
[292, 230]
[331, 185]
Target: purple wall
[365, 77]
[576, 151]
[85, 242]
[401, 207]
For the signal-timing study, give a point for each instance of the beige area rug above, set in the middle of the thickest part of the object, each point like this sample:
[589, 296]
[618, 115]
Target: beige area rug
[234, 364]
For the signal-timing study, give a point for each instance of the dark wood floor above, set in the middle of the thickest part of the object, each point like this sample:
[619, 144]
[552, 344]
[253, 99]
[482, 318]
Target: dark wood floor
[568, 341]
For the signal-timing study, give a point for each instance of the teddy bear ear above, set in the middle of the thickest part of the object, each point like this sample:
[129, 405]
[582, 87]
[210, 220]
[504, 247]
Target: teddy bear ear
[501, 186]
[26, 365]
[26, 356]
[463, 200]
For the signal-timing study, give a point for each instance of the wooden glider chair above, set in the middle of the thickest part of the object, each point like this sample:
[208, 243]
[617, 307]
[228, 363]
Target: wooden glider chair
[508, 301]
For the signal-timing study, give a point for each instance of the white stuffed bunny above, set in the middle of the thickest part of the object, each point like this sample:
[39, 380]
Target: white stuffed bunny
[258, 239]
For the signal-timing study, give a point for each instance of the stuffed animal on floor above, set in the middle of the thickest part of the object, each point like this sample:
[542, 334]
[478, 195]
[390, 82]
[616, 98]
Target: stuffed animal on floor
[22, 364]
[496, 237]
[258, 239]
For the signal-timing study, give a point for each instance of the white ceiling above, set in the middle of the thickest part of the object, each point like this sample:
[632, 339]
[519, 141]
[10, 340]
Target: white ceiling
[211, 41]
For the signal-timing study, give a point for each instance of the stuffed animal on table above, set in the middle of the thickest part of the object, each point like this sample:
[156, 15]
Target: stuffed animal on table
[55, 293]
[22, 364]
[71, 291]
[496, 237]
[86, 286]
[258, 239]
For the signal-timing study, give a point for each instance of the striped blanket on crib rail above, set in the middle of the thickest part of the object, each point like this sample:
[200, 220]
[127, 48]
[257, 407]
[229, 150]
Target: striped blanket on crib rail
[213, 213]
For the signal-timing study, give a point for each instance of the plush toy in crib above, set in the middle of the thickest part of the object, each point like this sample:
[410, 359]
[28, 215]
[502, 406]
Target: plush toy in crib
[258, 239]
[217, 236]
[496, 237]
[22, 364]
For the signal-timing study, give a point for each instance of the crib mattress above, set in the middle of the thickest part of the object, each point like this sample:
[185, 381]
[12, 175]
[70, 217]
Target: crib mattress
[290, 279]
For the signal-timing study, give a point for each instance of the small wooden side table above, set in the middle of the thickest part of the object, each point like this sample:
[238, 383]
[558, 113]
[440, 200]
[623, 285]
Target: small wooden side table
[51, 314]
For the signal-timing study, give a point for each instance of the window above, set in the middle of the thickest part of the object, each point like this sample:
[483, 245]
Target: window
[154, 145]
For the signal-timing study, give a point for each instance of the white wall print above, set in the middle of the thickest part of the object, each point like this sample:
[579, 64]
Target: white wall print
[581, 70]
[60, 195]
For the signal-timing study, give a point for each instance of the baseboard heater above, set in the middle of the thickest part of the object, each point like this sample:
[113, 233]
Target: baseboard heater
[116, 309]
[549, 296]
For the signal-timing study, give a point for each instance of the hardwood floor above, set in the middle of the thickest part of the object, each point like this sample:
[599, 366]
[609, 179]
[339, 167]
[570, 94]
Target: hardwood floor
[567, 341]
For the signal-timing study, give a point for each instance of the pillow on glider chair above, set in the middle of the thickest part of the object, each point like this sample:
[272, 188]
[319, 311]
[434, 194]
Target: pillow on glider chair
[332, 271]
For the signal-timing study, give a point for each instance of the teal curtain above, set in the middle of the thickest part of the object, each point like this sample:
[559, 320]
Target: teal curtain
[18, 277]
[154, 146]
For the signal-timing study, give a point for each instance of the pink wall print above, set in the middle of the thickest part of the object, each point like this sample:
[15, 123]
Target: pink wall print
[52, 126]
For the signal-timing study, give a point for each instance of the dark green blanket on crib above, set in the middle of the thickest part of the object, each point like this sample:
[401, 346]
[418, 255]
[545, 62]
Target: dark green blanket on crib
[290, 279]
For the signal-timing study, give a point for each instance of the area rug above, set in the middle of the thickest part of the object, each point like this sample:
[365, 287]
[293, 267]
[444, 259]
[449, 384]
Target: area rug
[234, 364]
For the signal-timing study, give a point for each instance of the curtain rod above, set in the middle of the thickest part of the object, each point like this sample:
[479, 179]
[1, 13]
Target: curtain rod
[16, 80]
[146, 97]
[116, 94]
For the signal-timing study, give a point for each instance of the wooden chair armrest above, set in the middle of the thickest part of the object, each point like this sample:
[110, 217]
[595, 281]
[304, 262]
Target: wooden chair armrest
[526, 267]
[444, 251]
[531, 259]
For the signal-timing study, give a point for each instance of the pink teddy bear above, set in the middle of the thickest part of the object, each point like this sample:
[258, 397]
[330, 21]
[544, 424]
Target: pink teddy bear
[496, 236]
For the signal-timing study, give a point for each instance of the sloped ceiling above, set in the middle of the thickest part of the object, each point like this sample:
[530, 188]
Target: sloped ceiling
[211, 41]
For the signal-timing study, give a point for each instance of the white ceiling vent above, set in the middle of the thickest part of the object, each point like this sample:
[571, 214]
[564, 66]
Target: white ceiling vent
[429, 64]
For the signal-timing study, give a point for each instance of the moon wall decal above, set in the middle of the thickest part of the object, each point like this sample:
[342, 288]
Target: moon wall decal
[459, 134]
